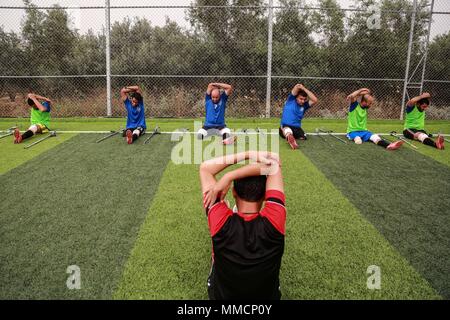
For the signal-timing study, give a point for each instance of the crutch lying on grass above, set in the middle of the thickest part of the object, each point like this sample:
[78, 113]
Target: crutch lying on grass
[323, 139]
[156, 131]
[330, 132]
[51, 134]
[394, 134]
[112, 134]
[9, 132]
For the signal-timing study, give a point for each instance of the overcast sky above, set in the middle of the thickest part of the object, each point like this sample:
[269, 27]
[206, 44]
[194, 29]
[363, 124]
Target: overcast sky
[94, 19]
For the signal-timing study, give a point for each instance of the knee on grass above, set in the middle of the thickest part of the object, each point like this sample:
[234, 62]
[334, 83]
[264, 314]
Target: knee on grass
[225, 133]
[202, 133]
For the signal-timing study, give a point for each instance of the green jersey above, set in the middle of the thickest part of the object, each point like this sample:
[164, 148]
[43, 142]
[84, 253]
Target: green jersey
[415, 118]
[41, 117]
[357, 118]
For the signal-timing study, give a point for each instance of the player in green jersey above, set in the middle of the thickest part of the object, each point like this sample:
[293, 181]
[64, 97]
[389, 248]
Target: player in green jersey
[40, 117]
[415, 121]
[357, 120]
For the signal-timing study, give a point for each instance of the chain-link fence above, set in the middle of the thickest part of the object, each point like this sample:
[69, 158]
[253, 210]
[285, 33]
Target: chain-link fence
[262, 47]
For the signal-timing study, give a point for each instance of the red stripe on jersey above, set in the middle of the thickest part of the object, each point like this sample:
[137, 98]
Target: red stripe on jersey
[276, 194]
[274, 211]
[217, 216]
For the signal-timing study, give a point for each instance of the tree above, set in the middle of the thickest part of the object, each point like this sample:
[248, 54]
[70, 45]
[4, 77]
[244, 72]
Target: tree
[438, 67]
[238, 31]
[13, 60]
[48, 41]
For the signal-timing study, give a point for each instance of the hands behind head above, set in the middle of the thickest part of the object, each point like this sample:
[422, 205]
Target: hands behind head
[426, 95]
[219, 189]
[269, 163]
[266, 158]
[360, 92]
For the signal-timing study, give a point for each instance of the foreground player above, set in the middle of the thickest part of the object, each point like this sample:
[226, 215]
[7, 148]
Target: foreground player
[248, 243]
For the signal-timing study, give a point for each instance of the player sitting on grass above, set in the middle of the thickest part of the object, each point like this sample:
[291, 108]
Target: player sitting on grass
[357, 121]
[134, 103]
[415, 121]
[40, 117]
[248, 242]
[215, 105]
[299, 100]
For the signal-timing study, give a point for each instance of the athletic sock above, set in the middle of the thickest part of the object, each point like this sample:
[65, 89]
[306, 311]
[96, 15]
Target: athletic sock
[383, 143]
[134, 137]
[27, 134]
[429, 142]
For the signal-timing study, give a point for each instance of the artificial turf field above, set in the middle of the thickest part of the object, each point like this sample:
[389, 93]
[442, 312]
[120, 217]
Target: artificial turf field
[132, 220]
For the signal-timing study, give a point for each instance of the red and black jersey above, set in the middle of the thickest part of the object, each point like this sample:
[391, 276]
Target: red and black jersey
[247, 250]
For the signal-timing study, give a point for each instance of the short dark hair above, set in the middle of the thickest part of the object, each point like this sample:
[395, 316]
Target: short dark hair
[302, 93]
[136, 95]
[251, 189]
[30, 102]
[424, 101]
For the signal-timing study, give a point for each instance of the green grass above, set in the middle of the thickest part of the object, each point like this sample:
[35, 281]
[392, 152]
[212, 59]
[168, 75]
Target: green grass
[402, 193]
[80, 203]
[309, 125]
[171, 257]
[329, 244]
[12, 155]
[152, 242]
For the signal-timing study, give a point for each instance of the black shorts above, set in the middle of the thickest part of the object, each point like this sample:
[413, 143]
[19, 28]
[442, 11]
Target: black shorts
[298, 132]
[409, 133]
[141, 131]
[214, 130]
[213, 127]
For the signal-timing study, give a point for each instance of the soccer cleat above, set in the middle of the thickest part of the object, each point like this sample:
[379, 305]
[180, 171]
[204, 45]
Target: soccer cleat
[229, 140]
[17, 136]
[440, 142]
[395, 145]
[129, 137]
[292, 142]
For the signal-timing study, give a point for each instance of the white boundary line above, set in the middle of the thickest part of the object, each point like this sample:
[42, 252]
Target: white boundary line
[252, 132]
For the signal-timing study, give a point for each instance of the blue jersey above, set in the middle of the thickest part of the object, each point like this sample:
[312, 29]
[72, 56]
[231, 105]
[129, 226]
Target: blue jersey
[47, 105]
[135, 115]
[215, 113]
[293, 112]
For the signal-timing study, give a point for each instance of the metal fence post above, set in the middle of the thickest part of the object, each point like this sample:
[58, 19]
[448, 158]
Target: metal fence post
[269, 59]
[408, 58]
[426, 47]
[108, 58]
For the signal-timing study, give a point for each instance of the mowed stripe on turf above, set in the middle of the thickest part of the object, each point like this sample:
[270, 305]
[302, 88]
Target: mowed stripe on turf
[171, 257]
[329, 245]
[13, 155]
[80, 203]
[404, 194]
